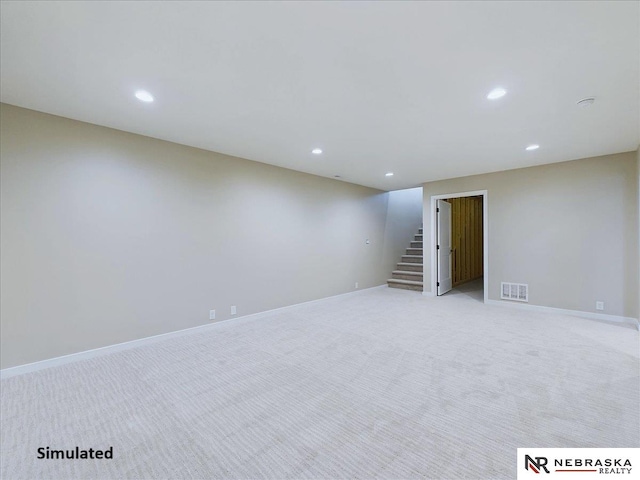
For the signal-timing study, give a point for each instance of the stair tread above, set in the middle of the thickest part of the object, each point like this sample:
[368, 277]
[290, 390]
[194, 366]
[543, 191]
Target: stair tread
[408, 272]
[402, 264]
[413, 256]
[405, 282]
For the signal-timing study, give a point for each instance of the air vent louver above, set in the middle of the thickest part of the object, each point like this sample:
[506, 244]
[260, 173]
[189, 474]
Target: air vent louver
[514, 291]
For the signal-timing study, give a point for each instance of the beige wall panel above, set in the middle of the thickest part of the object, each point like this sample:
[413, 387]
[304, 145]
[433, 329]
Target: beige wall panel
[569, 230]
[109, 236]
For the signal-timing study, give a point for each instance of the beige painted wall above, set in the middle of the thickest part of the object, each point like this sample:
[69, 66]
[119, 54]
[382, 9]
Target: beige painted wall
[109, 236]
[569, 230]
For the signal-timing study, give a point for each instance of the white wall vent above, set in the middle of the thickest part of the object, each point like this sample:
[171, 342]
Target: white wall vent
[515, 291]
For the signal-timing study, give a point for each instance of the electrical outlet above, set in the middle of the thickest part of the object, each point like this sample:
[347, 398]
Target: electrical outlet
[599, 305]
[212, 314]
[233, 310]
[356, 284]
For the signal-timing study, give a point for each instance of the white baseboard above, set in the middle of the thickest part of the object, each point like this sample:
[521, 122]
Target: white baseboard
[562, 311]
[118, 347]
[348, 294]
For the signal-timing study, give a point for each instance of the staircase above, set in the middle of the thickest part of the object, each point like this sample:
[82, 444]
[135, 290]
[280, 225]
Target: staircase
[408, 276]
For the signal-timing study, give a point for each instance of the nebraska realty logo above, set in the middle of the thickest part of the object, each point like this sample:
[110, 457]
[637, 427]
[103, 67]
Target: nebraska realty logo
[587, 462]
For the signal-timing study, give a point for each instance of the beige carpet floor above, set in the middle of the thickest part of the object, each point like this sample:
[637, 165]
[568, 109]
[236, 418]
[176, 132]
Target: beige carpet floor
[381, 384]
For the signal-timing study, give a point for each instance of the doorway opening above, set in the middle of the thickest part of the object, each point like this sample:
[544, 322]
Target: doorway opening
[459, 256]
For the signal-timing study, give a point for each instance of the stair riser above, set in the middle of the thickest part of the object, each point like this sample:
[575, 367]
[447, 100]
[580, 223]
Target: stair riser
[406, 259]
[410, 268]
[418, 238]
[414, 251]
[416, 244]
[401, 276]
[415, 288]
[419, 231]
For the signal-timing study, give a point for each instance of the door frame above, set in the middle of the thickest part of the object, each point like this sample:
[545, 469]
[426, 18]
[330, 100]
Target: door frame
[485, 238]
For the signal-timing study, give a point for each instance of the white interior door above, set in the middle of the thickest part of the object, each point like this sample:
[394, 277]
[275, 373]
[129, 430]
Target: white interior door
[443, 246]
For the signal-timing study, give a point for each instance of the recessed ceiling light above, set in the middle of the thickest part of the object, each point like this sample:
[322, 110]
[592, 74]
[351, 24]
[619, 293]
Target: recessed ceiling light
[316, 151]
[144, 96]
[532, 147]
[389, 174]
[496, 93]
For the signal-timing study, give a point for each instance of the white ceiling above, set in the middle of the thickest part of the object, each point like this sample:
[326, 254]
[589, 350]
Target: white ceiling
[379, 86]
